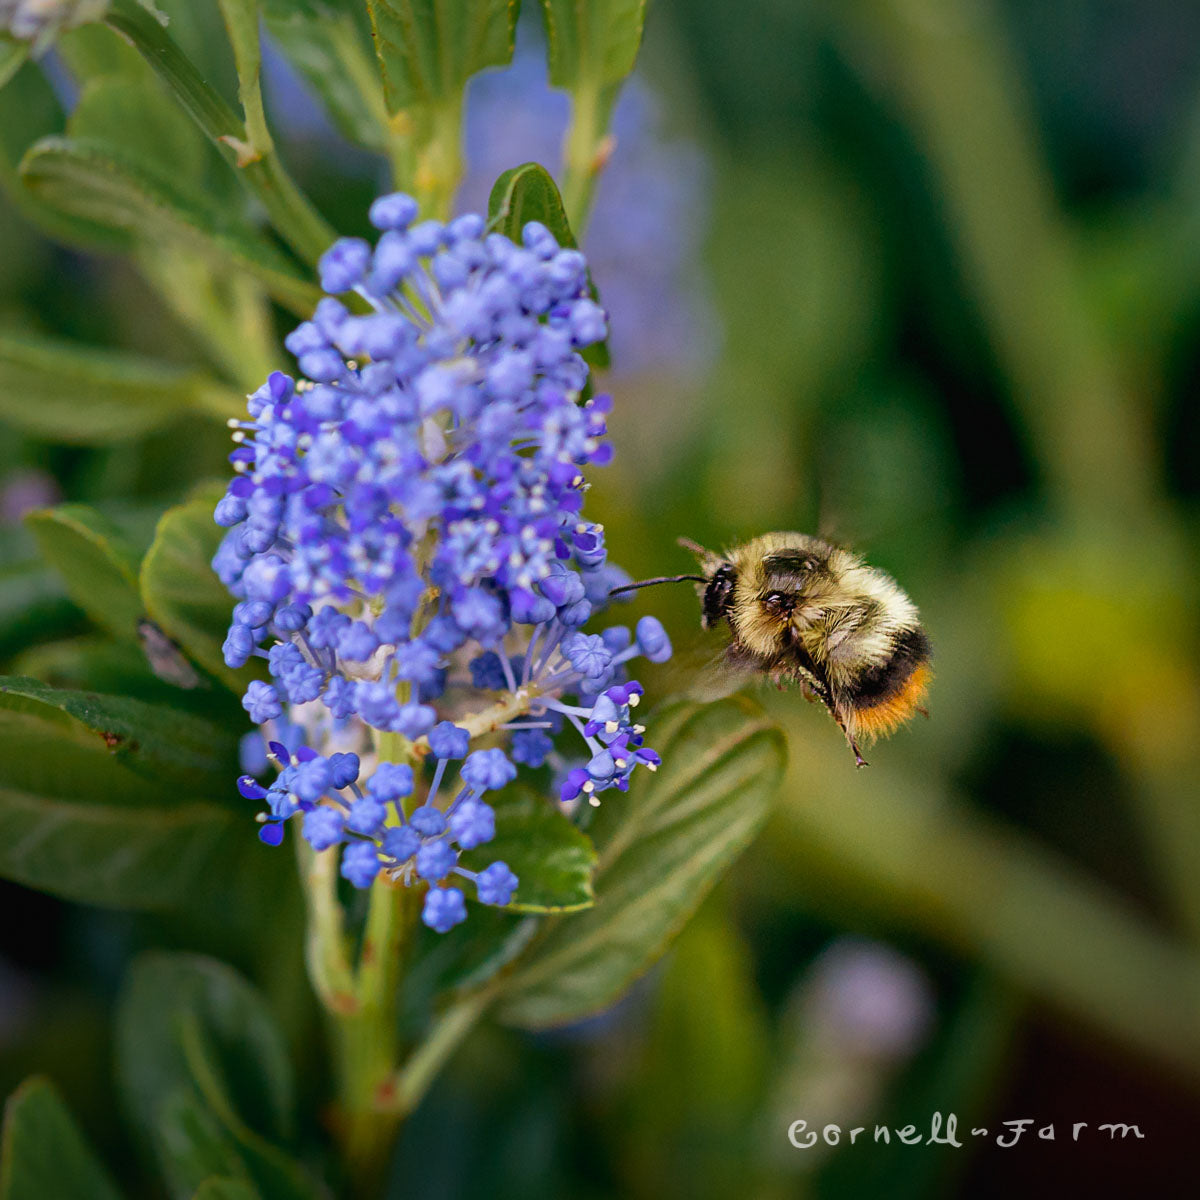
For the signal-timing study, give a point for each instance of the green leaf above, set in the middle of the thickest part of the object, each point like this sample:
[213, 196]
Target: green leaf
[225, 1189]
[661, 850]
[43, 1153]
[428, 49]
[29, 110]
[110, 855]
[77, 822]
[529, 193]
[98, 566]
[33, 606]
[330, 45]
[191, 1145]
[551, 856]
[154, 740]
[83, 395]
[592, 40]
[12, 58]
[135, 112]
[182, 593]
[105, 185]
[198, 1050]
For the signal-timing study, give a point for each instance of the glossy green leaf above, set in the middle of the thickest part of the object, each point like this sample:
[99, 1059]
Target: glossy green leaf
[158, 742]
[529, 193]
[181, 592]
[428, 49]
[105, 185]
[197, 1047]
[661, 849]
[592, 40]
[97, 564]
[330, 45]
[87, 396]
[115, 856]
[43, 1154]
[78, 822]
[549, 854]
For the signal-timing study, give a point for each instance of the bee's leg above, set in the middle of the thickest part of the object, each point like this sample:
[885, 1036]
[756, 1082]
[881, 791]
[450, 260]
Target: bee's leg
[859, 761]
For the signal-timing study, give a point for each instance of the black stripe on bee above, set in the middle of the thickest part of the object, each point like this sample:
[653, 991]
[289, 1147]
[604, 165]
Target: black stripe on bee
[881, 683]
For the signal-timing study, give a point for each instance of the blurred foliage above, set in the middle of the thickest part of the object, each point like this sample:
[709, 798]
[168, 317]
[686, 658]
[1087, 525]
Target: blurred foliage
[955, 259]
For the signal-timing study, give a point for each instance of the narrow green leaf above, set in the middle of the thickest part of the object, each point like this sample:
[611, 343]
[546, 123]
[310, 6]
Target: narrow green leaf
[330, 45]
[104, 185]
[109, 855]
[193, 1033]
[551, 856]
[428, 49]
[190, 1144]
[12, 57]
[661, 850]
[43, 1154]
[158, 742]
[529, 193]
[83, 395]
[592, 40]
[97, 564]
[182, 593]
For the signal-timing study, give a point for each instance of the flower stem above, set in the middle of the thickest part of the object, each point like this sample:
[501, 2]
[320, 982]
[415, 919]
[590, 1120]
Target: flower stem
[439, 165]
[409, 1085]
[366, 1040]
[325, 948]
[586, 150]
[259, 167]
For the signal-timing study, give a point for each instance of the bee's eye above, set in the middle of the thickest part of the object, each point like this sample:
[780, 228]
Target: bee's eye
[779, 602]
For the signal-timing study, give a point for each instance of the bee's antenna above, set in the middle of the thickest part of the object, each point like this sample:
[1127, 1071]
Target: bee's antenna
[629, 587]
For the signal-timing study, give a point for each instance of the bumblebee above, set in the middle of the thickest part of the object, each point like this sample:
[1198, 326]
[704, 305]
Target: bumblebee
[803, 611]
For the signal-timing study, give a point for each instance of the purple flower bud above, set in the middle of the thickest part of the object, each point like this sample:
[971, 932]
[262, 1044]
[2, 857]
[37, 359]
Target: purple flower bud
[391, 781]
[428, 821]
[447, 740]
[472, 822]
[488, 770]
[444, 908]
[652, 639]
[360, 864]
[496, 884]
[323, 827]
[261, 701]
[435, 860]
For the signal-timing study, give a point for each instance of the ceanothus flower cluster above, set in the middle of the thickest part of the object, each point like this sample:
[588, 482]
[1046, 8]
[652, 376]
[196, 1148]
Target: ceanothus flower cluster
[408, 551]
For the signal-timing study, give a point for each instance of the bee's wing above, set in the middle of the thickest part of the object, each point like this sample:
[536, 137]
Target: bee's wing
[700, 674]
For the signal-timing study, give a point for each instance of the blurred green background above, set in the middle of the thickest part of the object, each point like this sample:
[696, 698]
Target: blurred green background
[920, 275]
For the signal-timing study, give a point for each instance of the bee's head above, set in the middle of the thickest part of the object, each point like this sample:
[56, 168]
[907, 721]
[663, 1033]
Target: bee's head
[718, 593]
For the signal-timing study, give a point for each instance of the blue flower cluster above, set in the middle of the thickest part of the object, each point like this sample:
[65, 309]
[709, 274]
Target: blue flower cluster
[408, 552]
